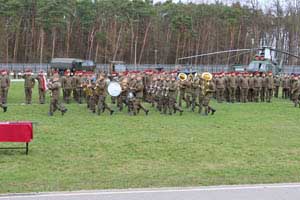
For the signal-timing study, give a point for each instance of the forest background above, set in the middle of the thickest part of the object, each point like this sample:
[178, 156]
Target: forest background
[143, 31]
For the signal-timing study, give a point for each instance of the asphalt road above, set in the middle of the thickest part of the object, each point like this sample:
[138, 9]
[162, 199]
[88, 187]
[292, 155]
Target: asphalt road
[243, 192]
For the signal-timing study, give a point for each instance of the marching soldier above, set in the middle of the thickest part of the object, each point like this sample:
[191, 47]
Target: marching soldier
[78, 83]
[208, 90]
[28, 86]
[137, 104]
[173, 107]
[182, 89]
[295, 91]
[54, 87]
[41, 87]
[101, 86]
[195, 92]
[5, 84]
[67, 86]
[188, 90]
[123, 96]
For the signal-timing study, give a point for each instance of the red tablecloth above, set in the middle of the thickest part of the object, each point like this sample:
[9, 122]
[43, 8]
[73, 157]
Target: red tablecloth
[16, 132]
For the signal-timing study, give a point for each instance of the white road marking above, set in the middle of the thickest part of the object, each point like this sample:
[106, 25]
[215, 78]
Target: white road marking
[155, 190]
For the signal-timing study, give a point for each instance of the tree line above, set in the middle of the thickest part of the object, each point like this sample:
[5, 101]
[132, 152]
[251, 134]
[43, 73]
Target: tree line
[139, 31]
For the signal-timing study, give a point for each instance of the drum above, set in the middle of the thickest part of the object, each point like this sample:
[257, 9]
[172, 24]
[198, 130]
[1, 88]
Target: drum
[114, 89]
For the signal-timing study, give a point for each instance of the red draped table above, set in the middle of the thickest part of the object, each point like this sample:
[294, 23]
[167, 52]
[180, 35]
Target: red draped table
[16, 132]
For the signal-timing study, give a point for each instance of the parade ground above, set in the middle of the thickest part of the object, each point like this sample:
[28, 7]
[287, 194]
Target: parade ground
[241, 144]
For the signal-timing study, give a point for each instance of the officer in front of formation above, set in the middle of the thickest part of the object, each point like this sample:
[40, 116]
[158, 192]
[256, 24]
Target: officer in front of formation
[4, 86]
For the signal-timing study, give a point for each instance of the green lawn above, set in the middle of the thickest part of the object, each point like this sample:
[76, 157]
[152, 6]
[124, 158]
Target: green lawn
[242, 143]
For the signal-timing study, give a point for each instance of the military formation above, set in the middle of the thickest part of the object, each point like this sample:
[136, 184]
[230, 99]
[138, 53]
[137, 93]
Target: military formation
[168, 92]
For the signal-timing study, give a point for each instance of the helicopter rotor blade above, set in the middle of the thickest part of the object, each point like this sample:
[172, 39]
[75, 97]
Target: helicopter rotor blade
[285, 52]
[215, 53]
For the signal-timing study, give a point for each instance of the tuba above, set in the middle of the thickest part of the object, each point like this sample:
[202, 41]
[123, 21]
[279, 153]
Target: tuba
[182, 76]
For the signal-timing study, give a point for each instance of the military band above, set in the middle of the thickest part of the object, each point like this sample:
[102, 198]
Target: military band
[167, 92]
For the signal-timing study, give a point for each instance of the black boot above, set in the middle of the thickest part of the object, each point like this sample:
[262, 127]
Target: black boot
[64, 111]
[213, 111]
[4, 108]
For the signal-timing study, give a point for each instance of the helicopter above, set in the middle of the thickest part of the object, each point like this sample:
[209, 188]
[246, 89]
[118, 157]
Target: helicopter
[263, 62]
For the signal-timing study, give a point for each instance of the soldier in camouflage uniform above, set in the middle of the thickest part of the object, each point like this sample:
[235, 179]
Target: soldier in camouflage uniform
[263, 88]
[208, 90]
[172, 95]
[286, 86]
[220, 87]
[55, 87]
[101, 86]
[137, 103]
[4, 86]
[195, 92]
[232, 87]
[67, 86]
[2, 104]
[251, 88]
[42, 93]
[269, 83]
[182, 90]
[28, 86]
[276, 86]
[78, 84]
[295, 91]
[238, 91]
[244, 87]
[257, 86]
[188, 90]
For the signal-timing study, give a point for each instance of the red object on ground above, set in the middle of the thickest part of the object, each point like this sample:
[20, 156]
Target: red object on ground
[16, 132]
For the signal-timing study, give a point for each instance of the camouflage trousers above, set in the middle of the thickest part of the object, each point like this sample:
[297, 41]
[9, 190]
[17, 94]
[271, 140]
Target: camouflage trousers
[220, 95]
[3, 93]
[67, 95]
[137, 105]
[285, 93]
[56, 105]
[102, 105]
[232, 94]
[28, 95]
[269, 95]
[262, 94]
[244, 95]
[42, 95]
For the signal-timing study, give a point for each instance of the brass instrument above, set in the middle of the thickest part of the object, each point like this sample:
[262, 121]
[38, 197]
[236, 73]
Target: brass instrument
[182, 76]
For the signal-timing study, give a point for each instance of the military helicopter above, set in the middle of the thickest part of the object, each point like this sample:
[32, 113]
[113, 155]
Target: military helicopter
[263, 61]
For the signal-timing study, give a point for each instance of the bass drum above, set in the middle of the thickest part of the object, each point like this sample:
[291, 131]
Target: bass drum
[114, 89]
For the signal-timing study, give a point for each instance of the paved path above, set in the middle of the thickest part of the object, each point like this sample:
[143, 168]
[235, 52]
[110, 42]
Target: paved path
[243, 192]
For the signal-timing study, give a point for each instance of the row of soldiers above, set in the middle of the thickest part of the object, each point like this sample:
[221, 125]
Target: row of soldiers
[252, 87]
[160, 90]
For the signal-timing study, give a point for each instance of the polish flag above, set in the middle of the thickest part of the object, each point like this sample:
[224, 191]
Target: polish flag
[44, 83]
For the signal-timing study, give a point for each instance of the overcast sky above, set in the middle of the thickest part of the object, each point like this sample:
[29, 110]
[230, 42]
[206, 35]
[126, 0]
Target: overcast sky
[262, 3]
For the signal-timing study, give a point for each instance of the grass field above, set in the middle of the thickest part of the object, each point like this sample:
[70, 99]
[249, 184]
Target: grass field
[242, 143]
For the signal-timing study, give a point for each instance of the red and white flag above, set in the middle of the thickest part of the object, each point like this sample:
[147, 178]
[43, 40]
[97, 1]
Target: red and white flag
[44, 83]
